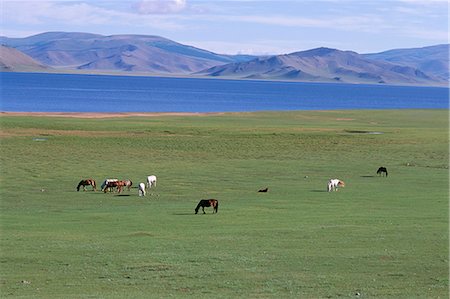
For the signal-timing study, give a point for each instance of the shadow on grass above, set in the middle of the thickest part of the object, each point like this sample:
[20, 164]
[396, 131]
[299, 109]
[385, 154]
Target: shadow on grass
[367, 176]
[193, 214]
[319, 191]
[184, 214]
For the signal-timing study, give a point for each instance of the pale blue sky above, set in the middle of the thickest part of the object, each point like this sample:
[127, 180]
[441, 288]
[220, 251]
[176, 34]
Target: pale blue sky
[243, 26]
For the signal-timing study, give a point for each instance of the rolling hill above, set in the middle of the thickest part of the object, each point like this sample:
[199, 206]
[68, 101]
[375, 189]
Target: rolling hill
[325, 65]
[13, 60]
[131, 53]
[148, 54]
[433, 59]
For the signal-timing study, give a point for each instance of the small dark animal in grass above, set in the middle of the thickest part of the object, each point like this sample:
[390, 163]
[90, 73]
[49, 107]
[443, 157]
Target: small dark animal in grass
[87, 182]
[264, 190]
[204, 203]
[382, 170]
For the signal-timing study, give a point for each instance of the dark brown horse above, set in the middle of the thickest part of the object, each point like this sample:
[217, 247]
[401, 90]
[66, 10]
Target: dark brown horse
[382, 170]
[109, 185]
[117, 184]
[87, 182]
[204, 203]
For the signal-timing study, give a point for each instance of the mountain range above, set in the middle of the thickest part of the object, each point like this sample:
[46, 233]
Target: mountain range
[146, 54]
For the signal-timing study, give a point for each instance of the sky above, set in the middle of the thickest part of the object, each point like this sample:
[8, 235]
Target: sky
[255, 27]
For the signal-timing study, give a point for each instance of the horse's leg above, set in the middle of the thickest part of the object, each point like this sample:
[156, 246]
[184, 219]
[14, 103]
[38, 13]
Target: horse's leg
[203, 209]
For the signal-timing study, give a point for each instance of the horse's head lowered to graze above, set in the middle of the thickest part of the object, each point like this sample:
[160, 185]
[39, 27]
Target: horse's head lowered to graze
[382, 170]
[141, 189]
[204, 203]
[333, 185]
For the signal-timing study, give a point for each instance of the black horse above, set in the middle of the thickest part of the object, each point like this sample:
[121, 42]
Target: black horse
[382, 170]
[204, 203]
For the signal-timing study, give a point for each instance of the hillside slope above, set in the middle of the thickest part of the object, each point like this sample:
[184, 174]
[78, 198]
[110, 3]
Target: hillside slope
[131, 53]
[433, 59]
[15, 61]
[324, 65]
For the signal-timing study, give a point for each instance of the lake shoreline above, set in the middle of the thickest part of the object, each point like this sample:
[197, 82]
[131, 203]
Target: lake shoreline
[106, 114]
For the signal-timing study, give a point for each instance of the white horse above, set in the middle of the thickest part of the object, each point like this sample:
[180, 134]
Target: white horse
[333, 184]
[105, 182]
[151, 181]
[141, 189]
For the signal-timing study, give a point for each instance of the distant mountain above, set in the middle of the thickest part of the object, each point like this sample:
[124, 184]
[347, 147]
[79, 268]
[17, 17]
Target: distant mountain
[433, 60]
[15, 61]
[148, 54]
[324, 65]
[131, 53]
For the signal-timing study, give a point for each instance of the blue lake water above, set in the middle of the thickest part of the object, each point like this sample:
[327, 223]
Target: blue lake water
[34, 92]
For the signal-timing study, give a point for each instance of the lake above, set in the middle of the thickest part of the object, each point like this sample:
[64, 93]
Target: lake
[34, 92]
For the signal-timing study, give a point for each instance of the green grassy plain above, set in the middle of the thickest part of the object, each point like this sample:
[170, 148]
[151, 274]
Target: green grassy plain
[376, 238]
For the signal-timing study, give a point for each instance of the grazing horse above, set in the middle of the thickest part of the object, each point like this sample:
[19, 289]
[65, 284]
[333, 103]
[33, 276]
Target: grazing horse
[87, 182]
[141, 189]
[382, 170]
[204, 203]
[264, 190]
[151, 181]
[105, 183]
[110, 185]
[333, 184]
[128, 184]
[120, 185]
[115, 184]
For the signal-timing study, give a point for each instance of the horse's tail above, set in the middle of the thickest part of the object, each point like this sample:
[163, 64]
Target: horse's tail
[79, 184]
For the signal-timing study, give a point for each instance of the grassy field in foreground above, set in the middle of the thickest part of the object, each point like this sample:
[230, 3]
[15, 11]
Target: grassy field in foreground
[377, 237]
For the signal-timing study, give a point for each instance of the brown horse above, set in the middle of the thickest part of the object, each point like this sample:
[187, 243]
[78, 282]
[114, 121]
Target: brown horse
[87, 182]
[128, 184]
[117, 184]
[204, 203]
[121, 184]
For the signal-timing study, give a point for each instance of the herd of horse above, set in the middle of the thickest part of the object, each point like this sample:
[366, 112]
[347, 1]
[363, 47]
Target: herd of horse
[110, 184]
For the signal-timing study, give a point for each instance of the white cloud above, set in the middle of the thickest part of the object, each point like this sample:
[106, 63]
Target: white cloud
[160, 6]
[68, 15]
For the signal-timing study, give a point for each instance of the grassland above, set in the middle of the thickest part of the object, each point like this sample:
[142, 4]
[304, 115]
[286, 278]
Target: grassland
[376, 238]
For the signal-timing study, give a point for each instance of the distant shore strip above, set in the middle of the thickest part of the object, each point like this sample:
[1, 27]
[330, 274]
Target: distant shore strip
[106, 114]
